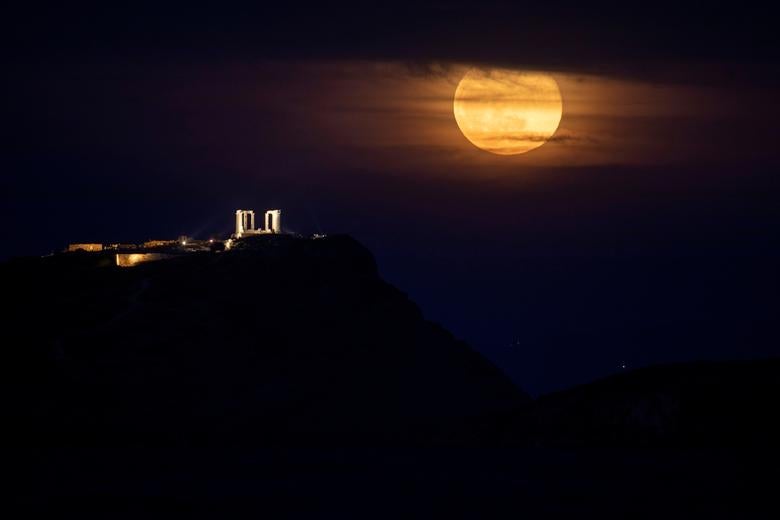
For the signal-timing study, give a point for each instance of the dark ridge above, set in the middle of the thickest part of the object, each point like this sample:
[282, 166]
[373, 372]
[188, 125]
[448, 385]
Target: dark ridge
[704, 404]
[285, 378]
[280, 340]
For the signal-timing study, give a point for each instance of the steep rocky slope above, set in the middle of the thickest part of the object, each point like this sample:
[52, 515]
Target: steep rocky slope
[281, 340]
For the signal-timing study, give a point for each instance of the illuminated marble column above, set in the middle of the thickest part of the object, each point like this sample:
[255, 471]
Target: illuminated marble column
[273, 220]
[239, 220]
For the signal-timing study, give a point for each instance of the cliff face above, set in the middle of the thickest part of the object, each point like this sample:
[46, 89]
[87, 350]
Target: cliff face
[281, 339]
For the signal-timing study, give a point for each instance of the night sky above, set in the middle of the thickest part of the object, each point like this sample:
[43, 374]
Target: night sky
[645, 231]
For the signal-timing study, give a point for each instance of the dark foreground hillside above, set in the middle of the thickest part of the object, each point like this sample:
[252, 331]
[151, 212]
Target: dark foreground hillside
[285, 378]
[280, 340]
[690, 405]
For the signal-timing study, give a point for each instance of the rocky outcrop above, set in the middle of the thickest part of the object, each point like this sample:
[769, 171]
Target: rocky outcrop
[279, 340]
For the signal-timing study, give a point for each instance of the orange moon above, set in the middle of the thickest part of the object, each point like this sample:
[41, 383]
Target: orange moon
[507, 112]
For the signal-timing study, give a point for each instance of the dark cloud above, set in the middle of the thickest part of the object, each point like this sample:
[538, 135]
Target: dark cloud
[617, 38]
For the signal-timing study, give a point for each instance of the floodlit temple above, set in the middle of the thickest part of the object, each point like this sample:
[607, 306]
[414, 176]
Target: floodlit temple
[128, 255]
[245, 222]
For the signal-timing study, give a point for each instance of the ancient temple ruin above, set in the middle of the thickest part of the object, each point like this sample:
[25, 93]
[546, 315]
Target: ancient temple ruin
[245, 222]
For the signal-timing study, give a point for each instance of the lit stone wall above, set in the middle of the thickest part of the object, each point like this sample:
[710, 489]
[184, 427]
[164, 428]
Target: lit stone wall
[132, 259]
[85, 247]
[158, 243]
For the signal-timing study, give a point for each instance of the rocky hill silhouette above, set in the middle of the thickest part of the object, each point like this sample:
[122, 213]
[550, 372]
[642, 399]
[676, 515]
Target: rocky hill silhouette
[285, 378]
[281, 339]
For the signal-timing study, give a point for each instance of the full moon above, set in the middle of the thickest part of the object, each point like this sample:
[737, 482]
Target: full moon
[507, 112]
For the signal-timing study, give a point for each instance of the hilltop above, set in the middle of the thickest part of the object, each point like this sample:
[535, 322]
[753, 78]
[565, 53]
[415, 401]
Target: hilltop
[285, 377]
[281, 339]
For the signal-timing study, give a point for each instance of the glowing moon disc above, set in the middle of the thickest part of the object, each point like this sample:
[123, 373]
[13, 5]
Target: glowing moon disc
[507, 112]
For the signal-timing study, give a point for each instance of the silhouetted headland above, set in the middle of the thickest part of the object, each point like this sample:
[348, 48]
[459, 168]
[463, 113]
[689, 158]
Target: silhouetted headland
[220, 382]
[282, 339]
